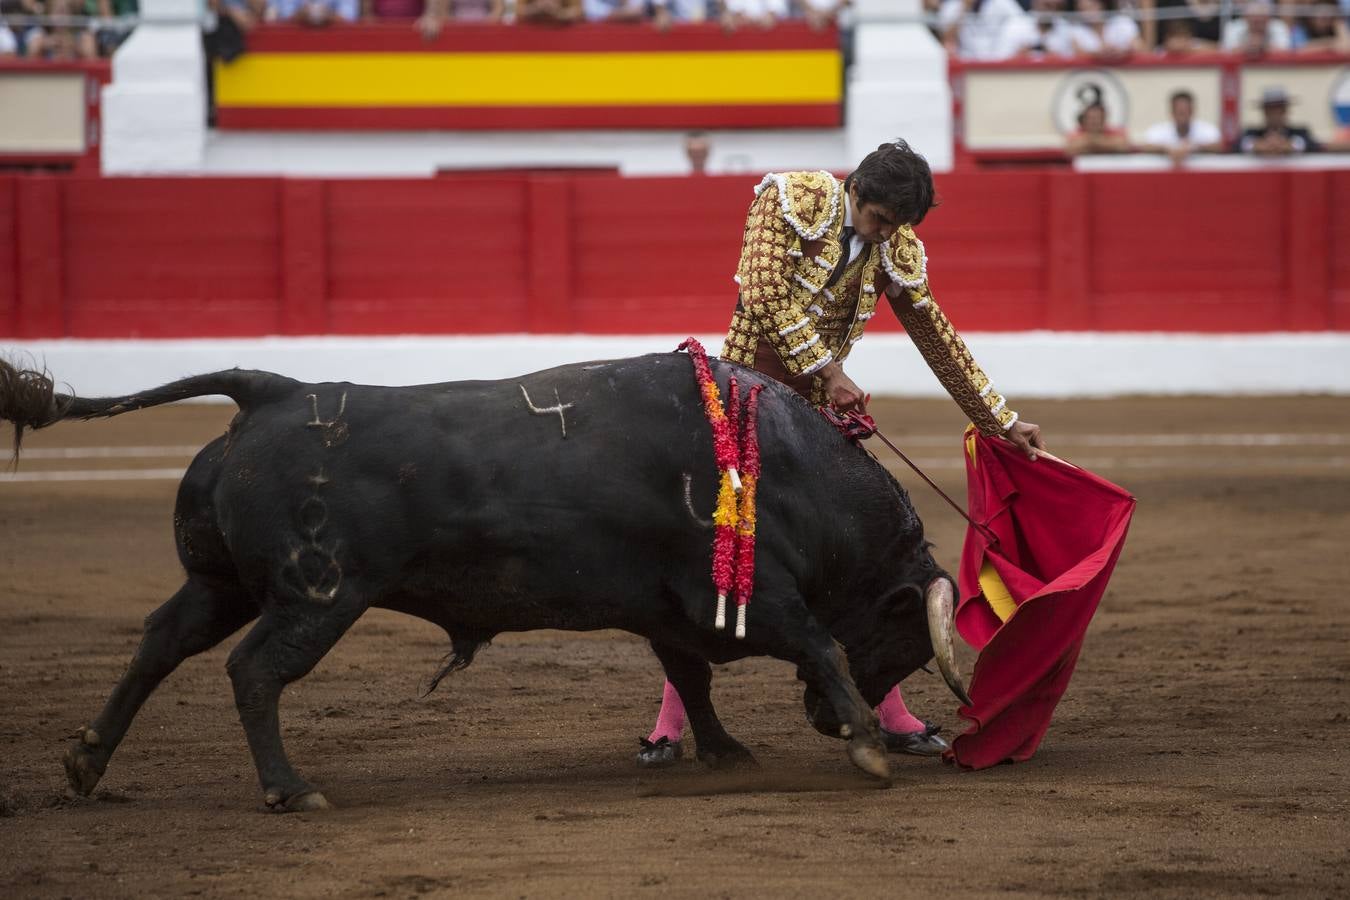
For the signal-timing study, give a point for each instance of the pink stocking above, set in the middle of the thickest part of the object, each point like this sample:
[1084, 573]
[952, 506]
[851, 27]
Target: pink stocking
[894, 715]
[670, 723]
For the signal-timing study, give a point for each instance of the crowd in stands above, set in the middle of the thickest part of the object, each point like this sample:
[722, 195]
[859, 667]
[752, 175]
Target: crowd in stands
[432, 15]
[995, 30]
[1182, 134]
[85, 29]
[984, 30]
[64, 29]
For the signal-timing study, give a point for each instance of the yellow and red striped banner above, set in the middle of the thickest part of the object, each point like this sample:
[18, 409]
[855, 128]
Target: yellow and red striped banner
[487, 77]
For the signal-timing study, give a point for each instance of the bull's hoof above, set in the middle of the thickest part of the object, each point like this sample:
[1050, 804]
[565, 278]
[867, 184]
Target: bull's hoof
[659, 754]
[726, 758]
[869, 754]
[916, 743]
[85, 763]
[309, 801]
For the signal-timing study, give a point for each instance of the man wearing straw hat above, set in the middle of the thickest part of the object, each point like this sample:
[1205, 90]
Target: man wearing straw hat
[1275, 136]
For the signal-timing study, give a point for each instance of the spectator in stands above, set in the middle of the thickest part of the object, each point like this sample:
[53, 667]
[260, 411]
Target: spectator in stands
[1183, 134]
[1045, 32]
[20, 32]
[1275, 136]
[762, 13]
[9, 43]
[1144, 12]
[61, 41]
[666, 12]
[549, 12]
[1102, 33]
[430, 17]
[109, 37]
[316, 13]
[223, 31]
[1093, 136]
[1257, 32]
[1198, 32]
[696, 148]
[821, 14]
[1320, 31]
[245, 14]
[614, 10]
[980, 30]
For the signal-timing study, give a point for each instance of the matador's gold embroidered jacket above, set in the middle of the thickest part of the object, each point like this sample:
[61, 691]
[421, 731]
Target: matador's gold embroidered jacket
[791, 246]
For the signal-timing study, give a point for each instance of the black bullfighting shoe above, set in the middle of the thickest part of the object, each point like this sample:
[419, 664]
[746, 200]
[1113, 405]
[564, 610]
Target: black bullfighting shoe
[659, 754]
[916, 743]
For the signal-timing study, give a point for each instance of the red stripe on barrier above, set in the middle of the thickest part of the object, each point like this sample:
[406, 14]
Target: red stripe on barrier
[495, 118]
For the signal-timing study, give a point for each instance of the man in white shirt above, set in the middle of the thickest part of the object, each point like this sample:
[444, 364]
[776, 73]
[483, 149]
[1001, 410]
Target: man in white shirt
[978, 29]
[1257, 32]
[1183, 134]
[1043, 32]
[764, 13]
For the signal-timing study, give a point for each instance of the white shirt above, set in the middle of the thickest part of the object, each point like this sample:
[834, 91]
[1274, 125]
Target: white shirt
[857, 244]
[758, 9]
[1023, 33]
[1164, 134]
[1277, 35]
[1118, 33]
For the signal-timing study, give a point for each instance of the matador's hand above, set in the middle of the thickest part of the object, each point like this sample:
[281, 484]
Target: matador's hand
[1027, 437]
[841, 391]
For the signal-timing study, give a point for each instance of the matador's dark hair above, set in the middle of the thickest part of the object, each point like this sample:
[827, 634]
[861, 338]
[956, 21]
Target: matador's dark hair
[896, 177]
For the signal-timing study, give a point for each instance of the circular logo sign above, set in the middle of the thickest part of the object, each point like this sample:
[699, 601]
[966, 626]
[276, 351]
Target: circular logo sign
[1340, 98]
[1082, 88]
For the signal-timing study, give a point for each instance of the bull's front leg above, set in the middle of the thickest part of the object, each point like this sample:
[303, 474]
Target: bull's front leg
[692, 677]
[824, 667]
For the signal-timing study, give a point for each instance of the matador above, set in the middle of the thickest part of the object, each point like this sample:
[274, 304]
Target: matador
[816, 257]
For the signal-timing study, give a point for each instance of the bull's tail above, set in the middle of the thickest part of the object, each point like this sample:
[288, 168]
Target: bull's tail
[29, 398]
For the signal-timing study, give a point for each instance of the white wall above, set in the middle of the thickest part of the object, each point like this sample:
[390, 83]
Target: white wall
[1035, 364]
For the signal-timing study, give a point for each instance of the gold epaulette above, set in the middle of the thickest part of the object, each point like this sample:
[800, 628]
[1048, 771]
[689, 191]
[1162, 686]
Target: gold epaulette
[809, 200]
[904, 260]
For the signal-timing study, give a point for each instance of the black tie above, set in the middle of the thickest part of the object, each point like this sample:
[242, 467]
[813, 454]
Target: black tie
[845, 248]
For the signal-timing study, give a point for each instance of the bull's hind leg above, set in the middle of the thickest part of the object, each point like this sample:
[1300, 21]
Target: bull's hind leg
[692, 677]
[287, 642]
[203, 613]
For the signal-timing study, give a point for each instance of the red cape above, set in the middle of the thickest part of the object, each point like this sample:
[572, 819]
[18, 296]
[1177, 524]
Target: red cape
[1054, 532]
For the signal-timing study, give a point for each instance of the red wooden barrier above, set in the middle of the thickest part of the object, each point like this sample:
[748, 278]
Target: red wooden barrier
[557, 253]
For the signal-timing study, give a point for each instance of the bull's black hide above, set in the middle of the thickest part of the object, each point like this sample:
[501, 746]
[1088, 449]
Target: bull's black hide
[576, 498]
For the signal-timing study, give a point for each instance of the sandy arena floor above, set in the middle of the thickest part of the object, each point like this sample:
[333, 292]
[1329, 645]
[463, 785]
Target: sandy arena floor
[1201, 750]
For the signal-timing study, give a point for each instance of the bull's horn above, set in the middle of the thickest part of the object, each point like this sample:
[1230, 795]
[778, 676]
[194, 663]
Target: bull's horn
[940, 600]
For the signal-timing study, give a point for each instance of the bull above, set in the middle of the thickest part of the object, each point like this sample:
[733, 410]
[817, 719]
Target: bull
[574, 498]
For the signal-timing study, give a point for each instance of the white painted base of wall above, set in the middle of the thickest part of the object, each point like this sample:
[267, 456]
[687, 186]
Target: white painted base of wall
[1033, 364]
[419, 154]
